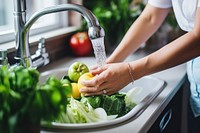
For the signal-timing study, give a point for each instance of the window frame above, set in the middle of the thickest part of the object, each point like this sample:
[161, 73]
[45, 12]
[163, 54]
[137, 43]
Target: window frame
[62, 17]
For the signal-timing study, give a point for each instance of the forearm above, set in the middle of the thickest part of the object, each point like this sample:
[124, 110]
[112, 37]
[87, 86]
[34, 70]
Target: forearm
[148, 22]
[177, 52]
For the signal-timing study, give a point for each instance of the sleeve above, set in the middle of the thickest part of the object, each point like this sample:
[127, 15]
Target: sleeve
[161, 3]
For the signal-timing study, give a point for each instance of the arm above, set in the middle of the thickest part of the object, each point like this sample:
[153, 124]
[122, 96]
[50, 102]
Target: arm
[179, 51]
[148, 22]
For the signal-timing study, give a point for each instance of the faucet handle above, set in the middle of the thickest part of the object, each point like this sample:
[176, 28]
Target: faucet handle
[41, 57]
[41, 47]
[3, 57]
[41, 41]
[3, 53]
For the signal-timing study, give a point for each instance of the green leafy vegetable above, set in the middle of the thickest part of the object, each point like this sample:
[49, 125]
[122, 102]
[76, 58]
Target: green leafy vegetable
[22, 80]
[67, 85]
[96, 108]
[94, 101]
[48, 100]
[114, 104]
[24, 102]
[78, 112]
[115, 16]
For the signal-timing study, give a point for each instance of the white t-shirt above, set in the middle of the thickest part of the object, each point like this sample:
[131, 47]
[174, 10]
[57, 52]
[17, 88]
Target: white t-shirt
[184, 10]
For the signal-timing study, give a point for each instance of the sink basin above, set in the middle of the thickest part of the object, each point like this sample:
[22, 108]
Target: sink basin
[146, 88]
[58, 73]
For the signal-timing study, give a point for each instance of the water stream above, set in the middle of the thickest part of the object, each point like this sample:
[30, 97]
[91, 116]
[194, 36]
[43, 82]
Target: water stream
[99, 51]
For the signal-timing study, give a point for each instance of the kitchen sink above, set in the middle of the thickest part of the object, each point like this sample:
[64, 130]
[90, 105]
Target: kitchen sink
[146, 90]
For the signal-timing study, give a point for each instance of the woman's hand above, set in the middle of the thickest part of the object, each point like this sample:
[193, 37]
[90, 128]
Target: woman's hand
[109, 79]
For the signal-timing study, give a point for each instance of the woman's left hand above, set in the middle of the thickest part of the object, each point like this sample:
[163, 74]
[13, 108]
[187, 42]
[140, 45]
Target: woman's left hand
[109, 79]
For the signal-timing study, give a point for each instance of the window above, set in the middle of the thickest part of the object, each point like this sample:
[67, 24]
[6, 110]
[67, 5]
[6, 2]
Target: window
[43, 24]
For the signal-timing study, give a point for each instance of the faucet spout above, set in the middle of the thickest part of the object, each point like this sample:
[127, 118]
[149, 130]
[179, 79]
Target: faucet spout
[22, 29]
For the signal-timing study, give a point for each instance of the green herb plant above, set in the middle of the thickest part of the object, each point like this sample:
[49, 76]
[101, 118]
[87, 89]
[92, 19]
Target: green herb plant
[24, 103]
[115, 16]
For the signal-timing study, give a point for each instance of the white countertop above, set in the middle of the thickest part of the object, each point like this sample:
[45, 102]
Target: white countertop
[174, 78]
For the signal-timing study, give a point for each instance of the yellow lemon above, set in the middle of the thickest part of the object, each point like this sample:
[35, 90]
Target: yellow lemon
[85, 76]
[75, 91]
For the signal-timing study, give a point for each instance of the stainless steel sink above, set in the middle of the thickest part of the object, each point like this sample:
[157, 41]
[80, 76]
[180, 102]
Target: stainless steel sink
[146, 88]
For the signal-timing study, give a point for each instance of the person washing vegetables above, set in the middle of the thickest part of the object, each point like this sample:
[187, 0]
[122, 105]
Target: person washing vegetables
[186, 48]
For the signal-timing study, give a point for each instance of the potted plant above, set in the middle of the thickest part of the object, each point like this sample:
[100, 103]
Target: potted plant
[25, 103]
[116, 16]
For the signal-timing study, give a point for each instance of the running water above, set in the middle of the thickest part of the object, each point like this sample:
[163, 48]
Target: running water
[99, 51]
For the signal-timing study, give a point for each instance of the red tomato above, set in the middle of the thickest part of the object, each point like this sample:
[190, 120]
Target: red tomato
[80, 44]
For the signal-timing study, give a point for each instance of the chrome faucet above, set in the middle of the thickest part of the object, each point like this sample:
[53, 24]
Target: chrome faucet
[22, 28]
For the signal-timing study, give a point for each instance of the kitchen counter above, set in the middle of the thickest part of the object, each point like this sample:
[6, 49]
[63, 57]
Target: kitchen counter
[174, 78]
